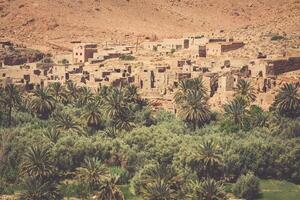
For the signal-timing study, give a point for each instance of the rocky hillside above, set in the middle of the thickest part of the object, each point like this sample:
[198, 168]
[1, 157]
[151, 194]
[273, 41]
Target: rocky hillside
[47, 22]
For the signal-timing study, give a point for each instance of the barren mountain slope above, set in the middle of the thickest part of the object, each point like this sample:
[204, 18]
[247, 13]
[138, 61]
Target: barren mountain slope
[60, 21]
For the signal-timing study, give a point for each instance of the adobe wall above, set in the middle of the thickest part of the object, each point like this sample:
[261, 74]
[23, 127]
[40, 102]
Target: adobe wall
[213, 49]
[89, 53]
[277, 67]
[78, 54]
[226, 83]
[82, 52]
[231, 46]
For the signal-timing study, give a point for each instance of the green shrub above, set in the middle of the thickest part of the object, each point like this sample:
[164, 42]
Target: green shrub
[127, 57]
[47, 60]
[164, 116]
[247, 186]
[5, 188]
[64, 61]
[277, 37]
[79, 190]
[144, 117]
[120, 172]
[255, 153]
[291, 129]
[228, 126]
[289, 163]
[207, 189]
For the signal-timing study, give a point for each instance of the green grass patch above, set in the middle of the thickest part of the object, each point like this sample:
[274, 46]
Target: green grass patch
[128, 194]
[279, 190]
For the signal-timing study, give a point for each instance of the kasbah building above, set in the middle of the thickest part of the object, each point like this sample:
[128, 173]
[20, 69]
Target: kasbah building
[156, 67]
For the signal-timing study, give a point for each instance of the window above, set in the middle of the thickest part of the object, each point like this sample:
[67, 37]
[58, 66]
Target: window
[76, 54]
[80, 61]
[81, 54]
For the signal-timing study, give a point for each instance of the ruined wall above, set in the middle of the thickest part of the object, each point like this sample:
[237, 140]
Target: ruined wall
[202, 51]
[89, 53]
[226, 83]
[277, 67]
[231, 46]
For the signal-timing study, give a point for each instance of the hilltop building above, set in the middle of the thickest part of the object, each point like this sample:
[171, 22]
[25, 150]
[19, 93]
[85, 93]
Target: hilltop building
[82, 52]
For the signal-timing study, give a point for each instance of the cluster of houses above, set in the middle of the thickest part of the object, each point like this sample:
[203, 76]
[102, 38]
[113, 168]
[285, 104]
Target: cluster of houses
[90, 66]
[199, 46]
[90, 53]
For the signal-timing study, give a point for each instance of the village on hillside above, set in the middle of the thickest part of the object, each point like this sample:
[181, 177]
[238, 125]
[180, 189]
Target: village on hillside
[156, 67]
[149, 100]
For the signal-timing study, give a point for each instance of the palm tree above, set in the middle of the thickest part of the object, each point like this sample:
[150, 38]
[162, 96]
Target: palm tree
[159, 171]
[287, 101]
[258, 118]
[65, 122]
[92, 115]
[114, 103]
[124, 122]
[43, 103]
[133, 99]
[131, 94]
[110, 191]
[183, 88]
[104, 91]
[195, 109]
[236, 110]
[101, 94]
[186, 85]
[25, 105]
[38, 163]
[93, 172]
[159, 190]
[209, 189]
[191, 97]
[210, 158]
[11, 97]
[111, 132]
[37, 189]
[53, 135]
[57, 90]
[72, 91]
[117, 109]
[245, 90]
[160, 180]
[85, 96]
[197, 84]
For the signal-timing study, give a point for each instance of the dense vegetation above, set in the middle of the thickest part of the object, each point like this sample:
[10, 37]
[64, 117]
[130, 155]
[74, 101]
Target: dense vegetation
[67, 141]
